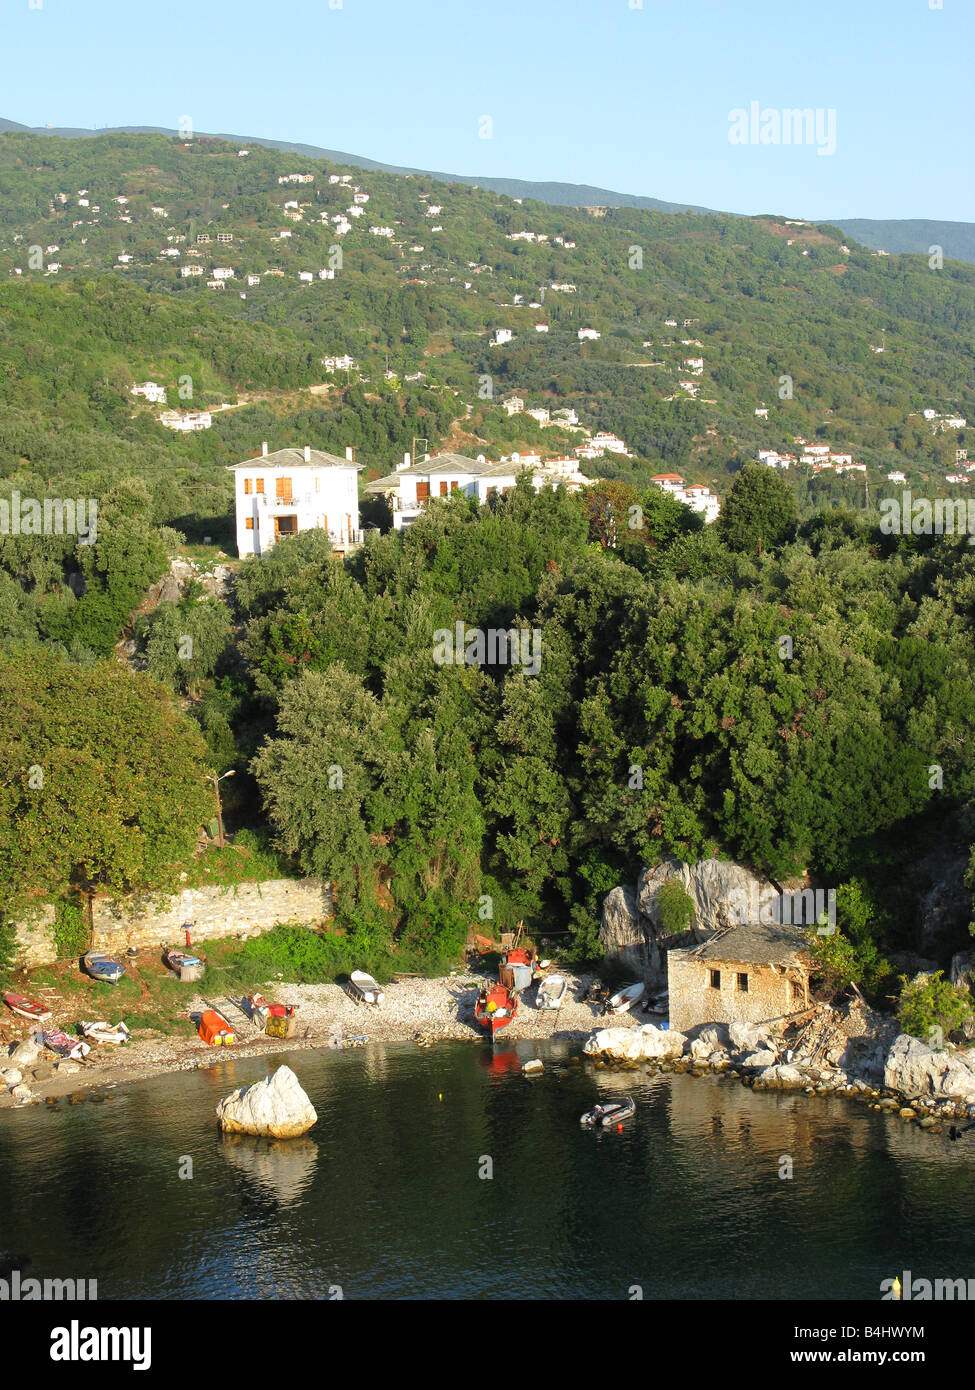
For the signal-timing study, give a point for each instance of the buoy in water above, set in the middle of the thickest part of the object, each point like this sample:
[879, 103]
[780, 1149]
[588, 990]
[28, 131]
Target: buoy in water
[440, 1096]
[619, 1129]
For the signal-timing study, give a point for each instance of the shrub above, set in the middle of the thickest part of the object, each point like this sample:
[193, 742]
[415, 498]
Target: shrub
[676, 907]
[932, 1006]
[70, 931]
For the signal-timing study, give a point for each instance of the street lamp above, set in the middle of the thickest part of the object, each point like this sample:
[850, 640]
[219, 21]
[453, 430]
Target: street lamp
[216, 792]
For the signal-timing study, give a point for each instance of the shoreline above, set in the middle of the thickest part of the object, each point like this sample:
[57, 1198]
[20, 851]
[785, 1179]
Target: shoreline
[417, 1011]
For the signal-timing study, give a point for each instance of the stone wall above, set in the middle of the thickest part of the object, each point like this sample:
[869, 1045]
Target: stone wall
[245, 909]
[693, 1001]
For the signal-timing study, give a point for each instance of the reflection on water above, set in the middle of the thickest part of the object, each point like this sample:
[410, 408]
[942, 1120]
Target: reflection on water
[281, 1169]
[386, 1196]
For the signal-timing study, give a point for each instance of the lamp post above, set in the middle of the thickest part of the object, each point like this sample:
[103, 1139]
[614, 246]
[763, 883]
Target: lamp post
[216, 792]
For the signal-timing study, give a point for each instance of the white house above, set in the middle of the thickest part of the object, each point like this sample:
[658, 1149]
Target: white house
[306, 275]
[541, 328]
[605, 443]
[501, 335]
[701, 499]
[151, 391]
[670, 482]
[588, 333]
[897, 476]
[186, 424]
[294, 490]
[695, 365]
[762, 412]
[188, 270]
[253, 280]
[223, 272]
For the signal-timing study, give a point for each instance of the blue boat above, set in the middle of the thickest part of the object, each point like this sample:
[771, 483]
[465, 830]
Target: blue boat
[102, 967]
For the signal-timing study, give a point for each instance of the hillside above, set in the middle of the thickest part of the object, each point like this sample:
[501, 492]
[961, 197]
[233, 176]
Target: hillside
[957, 239]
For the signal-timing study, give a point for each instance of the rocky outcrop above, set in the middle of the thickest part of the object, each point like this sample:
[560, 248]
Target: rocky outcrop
[719, 889]
[945, 908]
[916, 1070]
[275, 1108]
[635, 1044]
[628, 937]
[962, 968]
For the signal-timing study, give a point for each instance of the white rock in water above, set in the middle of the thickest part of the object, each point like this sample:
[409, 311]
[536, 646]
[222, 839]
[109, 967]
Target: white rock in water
[635, 1044]
[534, 1067]
[276, 1108]
[779, 1077]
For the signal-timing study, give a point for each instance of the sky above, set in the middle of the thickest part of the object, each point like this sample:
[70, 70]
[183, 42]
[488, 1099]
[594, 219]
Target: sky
[629, 95]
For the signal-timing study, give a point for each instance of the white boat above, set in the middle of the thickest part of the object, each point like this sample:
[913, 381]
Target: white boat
[602, 1116]
[102, 1032]
[551, 992]
[620, 1002]
[365, 989]
[659, 1005]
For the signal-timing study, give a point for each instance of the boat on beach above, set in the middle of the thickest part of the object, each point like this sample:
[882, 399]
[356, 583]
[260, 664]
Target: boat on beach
[184, 965]
[600, 1116]
[551, 992]
[102, 967]
[215, 1030]
[26, 1008]
[624, 999]
[64, 1046]
[364, 989]
[495, 1008]
[517, 968]
[103, 1032]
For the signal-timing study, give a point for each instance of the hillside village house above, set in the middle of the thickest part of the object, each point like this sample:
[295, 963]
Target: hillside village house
[151, 390]
[411, 487]
[294, 490]
[698, 497]
[750, 974]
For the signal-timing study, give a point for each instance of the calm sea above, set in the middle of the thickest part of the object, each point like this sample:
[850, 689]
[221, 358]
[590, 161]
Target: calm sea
[386, 1197]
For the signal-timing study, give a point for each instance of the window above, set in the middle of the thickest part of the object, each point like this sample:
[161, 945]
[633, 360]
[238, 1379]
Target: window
[443, 489]
[260, 486]
[453, 487]
[318, 484]
[249, 524]
[248, 486]
[715, 979]
[282, 487]
[422, 492]
[742, 983]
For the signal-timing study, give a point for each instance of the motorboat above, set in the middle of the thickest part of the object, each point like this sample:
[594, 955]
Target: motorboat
[601, 1116]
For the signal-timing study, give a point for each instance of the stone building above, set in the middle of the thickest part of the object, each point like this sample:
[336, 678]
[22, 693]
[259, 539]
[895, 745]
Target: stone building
[748, 974]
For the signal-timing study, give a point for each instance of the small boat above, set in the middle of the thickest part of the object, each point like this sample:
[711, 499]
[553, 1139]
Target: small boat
[187, 967]
[64, 1046]
[600, 1116]
[102, 1032]
[551, 992]
[495, 1008]
[215, 1030]
[620, 1002]
[364, 989]
[102, 967]
[660, 1005]
[26, 1008]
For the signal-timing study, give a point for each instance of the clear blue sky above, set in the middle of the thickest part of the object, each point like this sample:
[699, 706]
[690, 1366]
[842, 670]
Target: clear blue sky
[579, 91]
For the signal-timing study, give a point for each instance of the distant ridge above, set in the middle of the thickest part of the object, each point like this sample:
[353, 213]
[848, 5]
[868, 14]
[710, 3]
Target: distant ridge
[900, 237]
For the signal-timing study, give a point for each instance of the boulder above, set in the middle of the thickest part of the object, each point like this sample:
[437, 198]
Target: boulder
[12, 1076]
[276, 1108]
[779, 1076]
[915, 1070]
[661, 1042]
[25, 1053]
[764, 1058]
[747, 1037]
[635, 1044]
[21, 1093]
[699, 1050]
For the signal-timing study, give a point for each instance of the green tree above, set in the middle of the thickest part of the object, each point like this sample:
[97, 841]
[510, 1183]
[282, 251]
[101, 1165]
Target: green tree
[759, 512]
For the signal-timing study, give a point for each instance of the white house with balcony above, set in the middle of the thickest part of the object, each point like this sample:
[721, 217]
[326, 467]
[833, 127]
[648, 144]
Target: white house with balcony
[292, 490]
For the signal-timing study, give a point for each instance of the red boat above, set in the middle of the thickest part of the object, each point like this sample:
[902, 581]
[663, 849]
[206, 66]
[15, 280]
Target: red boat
[26, 1008]
[495, 1008]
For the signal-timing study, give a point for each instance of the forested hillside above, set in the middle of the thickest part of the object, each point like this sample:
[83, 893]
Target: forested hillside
[665, 716]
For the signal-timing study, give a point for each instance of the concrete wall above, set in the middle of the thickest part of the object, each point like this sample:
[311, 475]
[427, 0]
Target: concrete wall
[694, 1001]
[248, 908]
